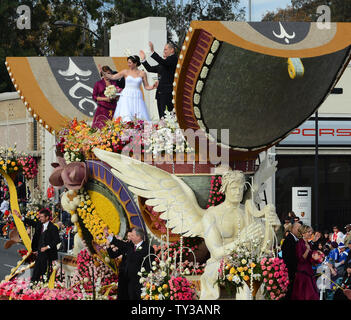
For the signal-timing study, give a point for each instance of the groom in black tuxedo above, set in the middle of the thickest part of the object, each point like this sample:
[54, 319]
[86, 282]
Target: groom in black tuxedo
[289, 255]
[134, 252]
[165, 69]
[44, 243]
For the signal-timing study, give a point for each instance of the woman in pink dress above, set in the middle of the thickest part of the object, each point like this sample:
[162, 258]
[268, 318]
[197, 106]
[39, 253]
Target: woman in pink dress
[106, 106]
[305, 287]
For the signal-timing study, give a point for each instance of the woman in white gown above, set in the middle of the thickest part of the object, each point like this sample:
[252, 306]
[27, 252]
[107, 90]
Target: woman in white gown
[131, 105]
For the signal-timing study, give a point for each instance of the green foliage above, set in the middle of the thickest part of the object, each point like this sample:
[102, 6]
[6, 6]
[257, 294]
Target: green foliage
[306, 10]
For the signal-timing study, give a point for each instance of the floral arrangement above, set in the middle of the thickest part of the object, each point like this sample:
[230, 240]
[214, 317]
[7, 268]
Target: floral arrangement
[92, 273]
[92, 280]
[29, 166]
[275, 278]
[12, 162]
[9, 223]
[236, 269]
[133, 137]
[21, 289]
[87, 212]
[216, 197]
[111, 91]
[165, 282]
[32, 215]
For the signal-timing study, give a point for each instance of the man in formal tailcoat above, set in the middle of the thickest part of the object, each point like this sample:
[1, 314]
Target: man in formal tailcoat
[44, 243]
[165, 69]
[289, 255]
[134, 252]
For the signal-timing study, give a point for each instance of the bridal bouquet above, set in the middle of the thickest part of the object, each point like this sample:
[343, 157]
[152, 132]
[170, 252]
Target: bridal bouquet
[111, 92]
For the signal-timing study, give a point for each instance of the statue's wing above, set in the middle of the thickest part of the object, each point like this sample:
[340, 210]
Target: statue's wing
[264, 172]
[165, 192]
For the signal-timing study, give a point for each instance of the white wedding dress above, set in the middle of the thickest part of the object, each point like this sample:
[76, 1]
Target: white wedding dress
[131, 104]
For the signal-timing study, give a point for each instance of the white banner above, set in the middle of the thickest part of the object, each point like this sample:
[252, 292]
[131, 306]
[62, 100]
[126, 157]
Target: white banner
[301, 203]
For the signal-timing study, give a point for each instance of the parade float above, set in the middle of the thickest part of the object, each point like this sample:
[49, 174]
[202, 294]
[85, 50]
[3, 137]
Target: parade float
[242, 87]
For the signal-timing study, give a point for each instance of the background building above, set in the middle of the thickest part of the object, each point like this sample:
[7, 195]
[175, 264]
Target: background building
[297, 162]
[18, 127]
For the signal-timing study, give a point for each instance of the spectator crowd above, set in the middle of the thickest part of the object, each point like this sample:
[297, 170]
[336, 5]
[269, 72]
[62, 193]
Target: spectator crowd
[318, 262]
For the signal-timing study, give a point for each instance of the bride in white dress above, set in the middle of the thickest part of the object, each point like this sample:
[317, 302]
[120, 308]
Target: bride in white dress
[131, 105]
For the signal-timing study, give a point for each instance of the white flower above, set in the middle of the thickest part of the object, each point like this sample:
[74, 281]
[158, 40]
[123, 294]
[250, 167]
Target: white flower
[199, 86]
[204, 72]
[197, 98]
[215, 46]
[142, 269]
[154, 268]
[209, 58]
[163, 273]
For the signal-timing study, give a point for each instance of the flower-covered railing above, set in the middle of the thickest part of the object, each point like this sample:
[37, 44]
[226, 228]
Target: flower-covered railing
[132, 138]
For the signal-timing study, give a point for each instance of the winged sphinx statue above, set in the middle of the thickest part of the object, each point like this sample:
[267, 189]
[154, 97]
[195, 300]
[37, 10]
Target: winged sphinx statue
[224, 227]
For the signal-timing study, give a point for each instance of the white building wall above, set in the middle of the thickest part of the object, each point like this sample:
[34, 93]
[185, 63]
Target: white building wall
[131, 37]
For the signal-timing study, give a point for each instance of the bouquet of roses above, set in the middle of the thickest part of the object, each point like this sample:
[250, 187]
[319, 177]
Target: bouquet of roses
[111, 92]
[275, 278]
[30, 167]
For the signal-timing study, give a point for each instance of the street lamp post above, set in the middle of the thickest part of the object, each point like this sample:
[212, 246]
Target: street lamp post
[65, 24]
[249, 10]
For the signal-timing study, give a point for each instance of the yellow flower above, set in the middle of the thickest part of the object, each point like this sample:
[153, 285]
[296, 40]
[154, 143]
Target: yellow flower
[15, 168]
[1, 162]
[252, 265]
[165, 286]
[240, 269]
[246, 278]
[156, 297]
[230, 278]
[4, 167]
[232, 270]
[159, 289]
[13, 163]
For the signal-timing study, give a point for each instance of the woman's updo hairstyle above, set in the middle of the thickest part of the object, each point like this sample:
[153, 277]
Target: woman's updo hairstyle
[135, 59]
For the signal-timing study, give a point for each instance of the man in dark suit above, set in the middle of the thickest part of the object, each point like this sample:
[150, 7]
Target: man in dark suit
[44, 243]
[134, 252]
[114, 252]
[165, 69]
[289, 255]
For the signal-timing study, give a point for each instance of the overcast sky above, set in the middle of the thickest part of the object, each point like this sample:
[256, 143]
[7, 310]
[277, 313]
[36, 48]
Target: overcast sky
[259, 7]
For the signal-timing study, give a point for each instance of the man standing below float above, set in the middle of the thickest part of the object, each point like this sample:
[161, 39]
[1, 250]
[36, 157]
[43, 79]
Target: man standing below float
[289, 256]
[165, 69]
[44, 243]
[134, 252]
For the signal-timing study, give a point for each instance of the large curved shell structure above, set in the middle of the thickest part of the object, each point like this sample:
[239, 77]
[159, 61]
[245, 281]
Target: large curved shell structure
[234, 75]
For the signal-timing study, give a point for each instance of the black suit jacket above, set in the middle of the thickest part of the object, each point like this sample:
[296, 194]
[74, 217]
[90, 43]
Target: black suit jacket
[50, 238]
[165, 70]
[132, 262]
[289, 253]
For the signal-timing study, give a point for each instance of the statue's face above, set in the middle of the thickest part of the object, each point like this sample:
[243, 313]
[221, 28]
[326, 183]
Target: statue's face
[234, 192]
